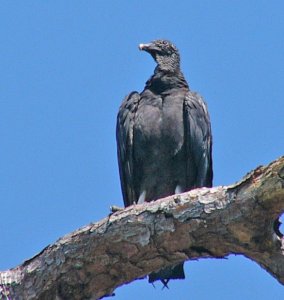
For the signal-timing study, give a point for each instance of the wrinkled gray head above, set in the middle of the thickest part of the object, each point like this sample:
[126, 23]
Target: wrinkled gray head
[164, 53]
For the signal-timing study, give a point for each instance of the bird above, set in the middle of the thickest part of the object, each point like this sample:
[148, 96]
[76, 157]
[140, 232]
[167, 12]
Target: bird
[164, 139]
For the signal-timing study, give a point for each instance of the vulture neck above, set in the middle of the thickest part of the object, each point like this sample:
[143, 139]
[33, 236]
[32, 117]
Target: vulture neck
[164, 80]
[168, 63]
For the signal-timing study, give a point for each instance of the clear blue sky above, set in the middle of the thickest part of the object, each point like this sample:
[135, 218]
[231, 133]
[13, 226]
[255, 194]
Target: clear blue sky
[65, 68]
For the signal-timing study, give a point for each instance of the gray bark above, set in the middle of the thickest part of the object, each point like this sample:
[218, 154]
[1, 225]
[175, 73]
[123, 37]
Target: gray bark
[94, 260]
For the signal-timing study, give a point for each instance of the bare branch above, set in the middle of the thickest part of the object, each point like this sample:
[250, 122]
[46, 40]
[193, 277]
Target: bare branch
[94, 260]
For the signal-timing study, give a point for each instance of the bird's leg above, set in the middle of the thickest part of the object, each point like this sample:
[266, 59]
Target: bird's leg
[179, 189]
[142, 197]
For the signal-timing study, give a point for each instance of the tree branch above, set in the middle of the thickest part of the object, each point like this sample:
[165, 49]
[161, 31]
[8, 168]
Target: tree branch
[94, 260]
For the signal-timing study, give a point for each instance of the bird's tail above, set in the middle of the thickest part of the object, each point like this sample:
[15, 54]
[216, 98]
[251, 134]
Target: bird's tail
[168, 273]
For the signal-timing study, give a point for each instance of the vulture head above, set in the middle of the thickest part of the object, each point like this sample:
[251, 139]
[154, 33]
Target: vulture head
[164, 53]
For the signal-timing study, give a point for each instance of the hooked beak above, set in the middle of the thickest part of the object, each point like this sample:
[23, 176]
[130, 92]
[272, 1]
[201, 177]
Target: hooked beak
[146, 47]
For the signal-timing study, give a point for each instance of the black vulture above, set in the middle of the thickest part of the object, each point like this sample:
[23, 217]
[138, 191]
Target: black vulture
[164, 140]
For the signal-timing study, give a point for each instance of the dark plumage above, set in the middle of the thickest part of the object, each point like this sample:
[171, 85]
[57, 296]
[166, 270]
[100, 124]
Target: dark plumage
[163, 138]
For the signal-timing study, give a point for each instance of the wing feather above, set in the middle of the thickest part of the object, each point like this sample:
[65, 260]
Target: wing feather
[124, 139]
[198, 141]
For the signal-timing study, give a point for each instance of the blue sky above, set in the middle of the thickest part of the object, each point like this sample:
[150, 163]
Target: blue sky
[65, 68]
